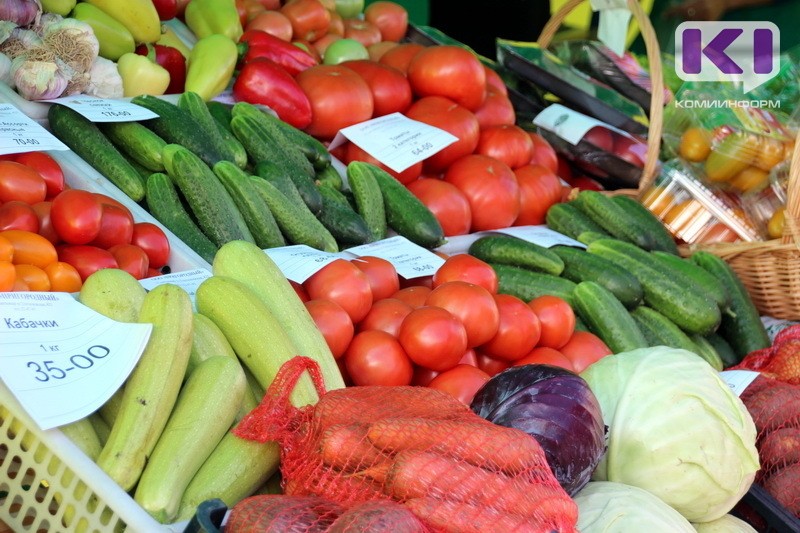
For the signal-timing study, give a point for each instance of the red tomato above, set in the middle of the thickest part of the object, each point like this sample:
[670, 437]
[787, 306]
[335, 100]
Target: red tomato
[446, 202]
[465, 267]
[63, 277]
[461, 382]
[322, 44]
[422, 376]
[307, 46]
[376, 358]
[600, 137]
[413, 296]
[381, 274]
[470, 357]
[18, 215]
[490, 365]
[563, 170]
[391, 92]
[116, 227]
[518, 330]
[46, 229]
[545, 356]
[21, 183]
[449, 71]
[30, 248]
[491, 189]
[336, 26]
[86, 259]
[354, 153]
[377, 50]
[508, 143]
[273, 22]
[390, 18]
[556, 318]
[8, 276]
[432, 337]
[300, 291]
[76, 216]
[309, 18]
[583, 349]
[539, 188]
[107, 200]
[386, 315]
[153, 272]
[131, 259]
[48, 169]
[334, 323]
[153, 241]
[473, 305]
[339, 98]
[445, 114]
[401, 55]
[342, 282]
[543, 154]
[496, 110]
[585, 183]
[422, 281]
[362, 31]
[494, 81]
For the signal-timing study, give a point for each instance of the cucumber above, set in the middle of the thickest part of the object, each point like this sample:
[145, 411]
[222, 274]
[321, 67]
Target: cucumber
[614, 219]
[347, 227]
[588, 237]
[714, 286]
[203, 413]
[607, 318]
[660, 330]
[86, 140]
[329, 176]
[580, 265]
[369, 199]
[176, 126]
[137, 142]
[405, 213]
[671, 293]
[298, 225]
[527, 285]
[723, 349]
[742, 327]
[165, 205]
[505, 250]
[580, 325]
[706, 350]
[222, 138]
[251, 205]
[660, 235]
[568, 220]
[273, 174]
[222, 113]
[211, 205]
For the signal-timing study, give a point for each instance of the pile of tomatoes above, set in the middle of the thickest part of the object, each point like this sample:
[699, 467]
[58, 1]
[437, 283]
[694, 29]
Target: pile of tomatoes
[52, 237]
[451, 331]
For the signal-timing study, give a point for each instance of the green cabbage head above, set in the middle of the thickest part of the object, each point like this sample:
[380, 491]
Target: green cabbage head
[675, 429]
[726, 524]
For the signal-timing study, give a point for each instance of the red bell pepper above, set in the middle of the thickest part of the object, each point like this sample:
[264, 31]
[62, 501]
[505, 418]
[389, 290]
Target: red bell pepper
[262, 81]
[166, 9]
[256, 43]
[171, 59]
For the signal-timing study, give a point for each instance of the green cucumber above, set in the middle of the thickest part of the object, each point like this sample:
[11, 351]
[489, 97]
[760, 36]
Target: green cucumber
[662, 238]
[714, 286]
[723, 349]
[660, 330]
[707, 351]
[329, 176]
[588, 237]
[580, 325]
[527, 285]
[165, 205]
[273, 174]
[607, 317]
[223, 139]
[742, 327]
[222, 113]
[86, 140]
[369, 199]
[253, 208]
[614, 219]
[579, 265]
[136, 141]
[568, 220]
[347, 226]
[505, 250]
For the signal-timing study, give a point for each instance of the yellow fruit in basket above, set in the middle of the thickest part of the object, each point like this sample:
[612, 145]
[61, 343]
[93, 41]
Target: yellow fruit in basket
[733, 155]
[658, 199]
[788, 148]
[771, 152]
[775, 224]
[695, 144]
[680, 216]
[751, 179]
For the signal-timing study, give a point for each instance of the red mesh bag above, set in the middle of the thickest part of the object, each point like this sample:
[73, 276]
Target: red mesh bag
[416, 446]
[780, 361]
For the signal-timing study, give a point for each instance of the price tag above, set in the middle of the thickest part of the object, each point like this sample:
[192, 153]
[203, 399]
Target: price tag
[105, 109]
[409, 259]
[395, 140]
[19, 133]
[299, 262]
[188, 280]
[568, 124]
[541, 235]
[738, 380]
[61, 359]
[614, 15]
[460, 244]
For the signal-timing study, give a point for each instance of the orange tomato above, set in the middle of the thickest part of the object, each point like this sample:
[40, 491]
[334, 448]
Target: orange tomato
[33, 276]
[6, 250]
[7, 276]
[688, 212]
[658, 199]
[695, 144]
[20, 285]
[63, 277]
[30, 248]
[750, 179]
[775, 224]
[770, 154]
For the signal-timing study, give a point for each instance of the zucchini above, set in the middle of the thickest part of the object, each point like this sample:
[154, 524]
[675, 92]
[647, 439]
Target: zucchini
[113, 293]
[329, 176]
[211, 205]
[100, 426]
[671, 293]
[660, 330]
[222, 138]
[165, 205]
[607, 318]
[152, 387]
[222, 113]
[527, 285]
[723, 349]
[83, 435]
[580, 265]
[568, 220]
[614, 219]
[251, 205]
[86, 140]
[369, 200]
[742, 327]
[346, 226]
[137, 142]
[707, 351]
[661, 237]
[505, 250]
[203, 413]
[273, 174]
[711, 284]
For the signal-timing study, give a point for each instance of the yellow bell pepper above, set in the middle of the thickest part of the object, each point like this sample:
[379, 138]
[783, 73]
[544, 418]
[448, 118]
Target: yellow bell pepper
[139, 16]
[113, 36]
[207, 17]
[142, 76]
[211, 65]
[59, 7]
[170, 38]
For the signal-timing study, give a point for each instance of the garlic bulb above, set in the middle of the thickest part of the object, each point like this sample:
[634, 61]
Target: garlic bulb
[38, 80]
[104, 79]
[20, 12]
[73, 41]
[19, 42]
[5, 70]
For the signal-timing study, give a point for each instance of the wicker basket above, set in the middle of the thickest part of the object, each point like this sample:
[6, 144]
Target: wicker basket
[651, 164]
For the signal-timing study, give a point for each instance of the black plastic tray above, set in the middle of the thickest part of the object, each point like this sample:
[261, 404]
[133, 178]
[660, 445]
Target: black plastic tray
[764, 513]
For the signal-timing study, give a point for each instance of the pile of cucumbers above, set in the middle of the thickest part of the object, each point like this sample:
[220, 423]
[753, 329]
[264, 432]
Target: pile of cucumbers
[212, 173]
[630, 287]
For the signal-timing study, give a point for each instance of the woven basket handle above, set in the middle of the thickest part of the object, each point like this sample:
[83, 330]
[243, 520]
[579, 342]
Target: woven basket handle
[656, 77]
[791, 224]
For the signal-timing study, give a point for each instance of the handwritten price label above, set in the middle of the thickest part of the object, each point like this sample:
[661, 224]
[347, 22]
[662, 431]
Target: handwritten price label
[409, 259]
[104, 109]
[19, 133]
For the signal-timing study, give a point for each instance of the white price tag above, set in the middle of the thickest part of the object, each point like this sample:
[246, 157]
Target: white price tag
[395, 140]
[409, 259]
[738, 380]
[187, 280]
[541, 235]
[20, 133]
[61, 359]
[569, 124]
[105, 109]
[460, 244]
[299, 262]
